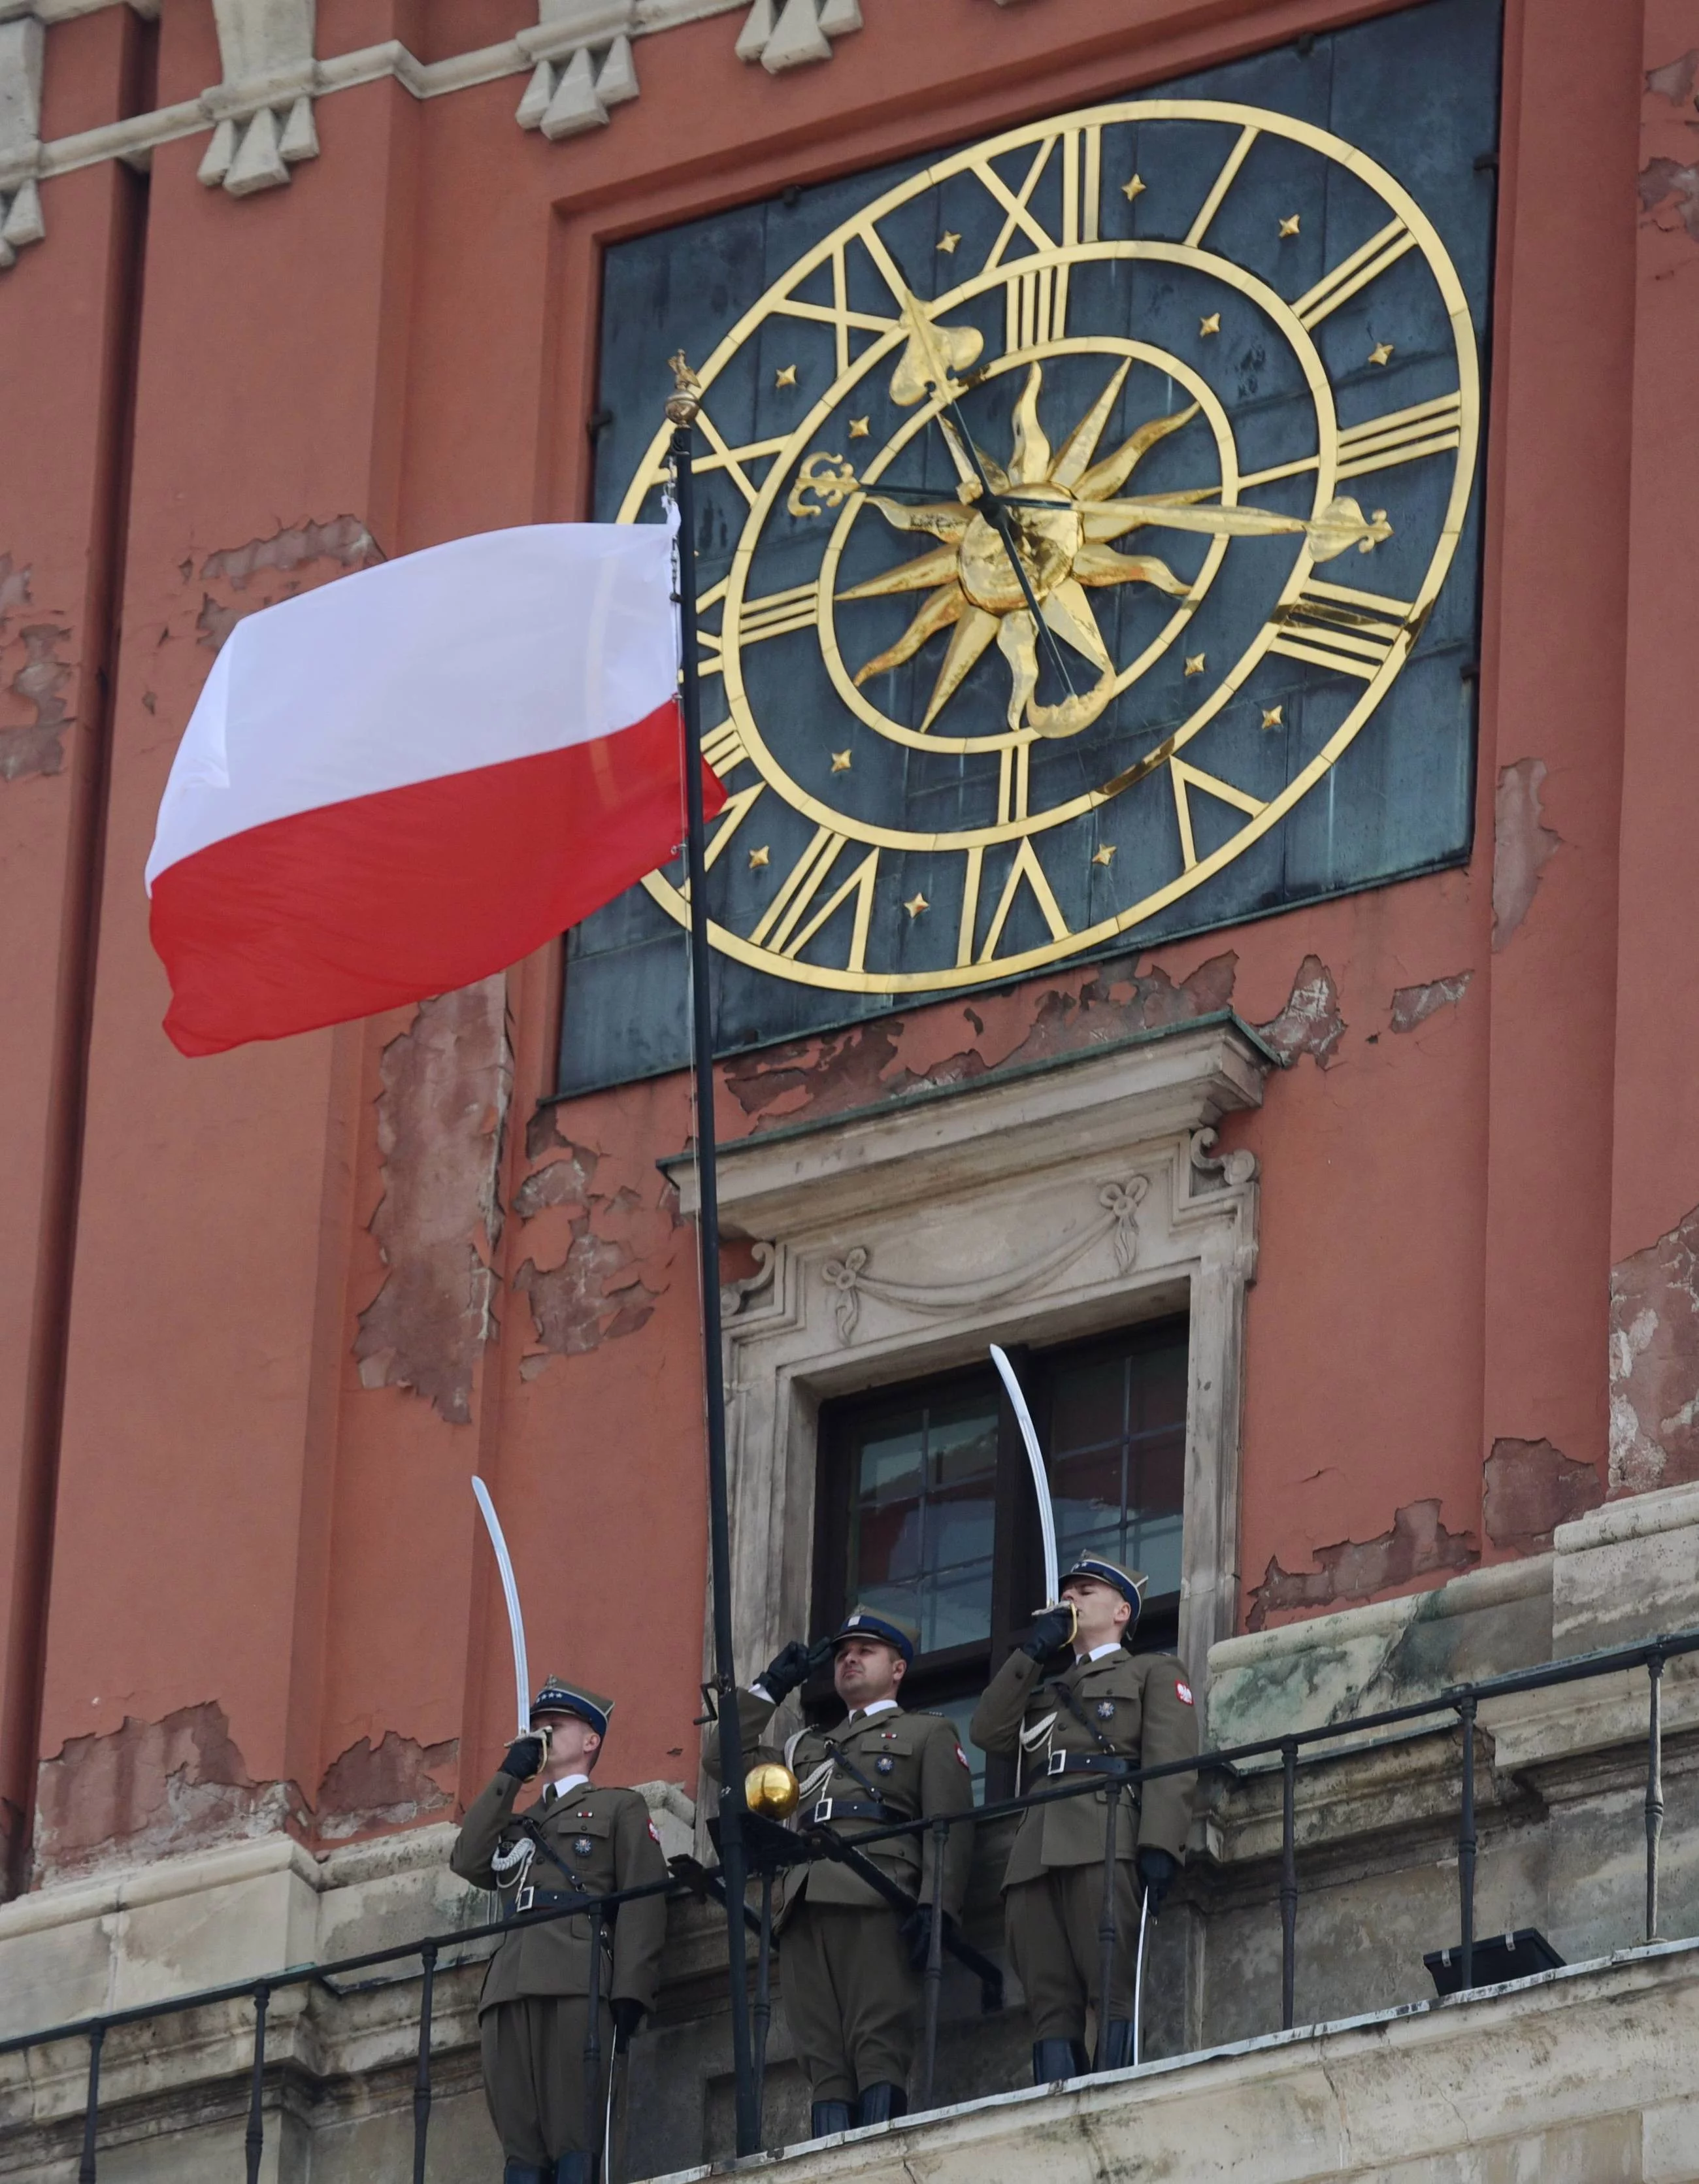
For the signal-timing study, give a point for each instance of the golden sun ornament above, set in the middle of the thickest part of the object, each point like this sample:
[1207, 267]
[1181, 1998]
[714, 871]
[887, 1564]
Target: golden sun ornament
[1064, 515]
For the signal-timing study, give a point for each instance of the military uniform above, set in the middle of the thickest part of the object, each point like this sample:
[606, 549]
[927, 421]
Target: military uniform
[849, 1983]
[533, 2013]
[1135, 1708]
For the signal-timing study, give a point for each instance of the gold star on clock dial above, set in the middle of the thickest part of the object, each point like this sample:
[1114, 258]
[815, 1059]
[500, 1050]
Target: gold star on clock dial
[840, 761]
[1104, 856]
[1289, 225]
[948, 241]
[1135, 188]
[1212, 325]
[785, 375]
[859, 427]
[1194, 663]
[1381, 353]
[759, 858]
[1273, 716]
[916, 904]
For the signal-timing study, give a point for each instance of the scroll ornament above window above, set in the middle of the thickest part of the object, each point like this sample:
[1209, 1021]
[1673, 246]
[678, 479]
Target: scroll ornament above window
[1116, 1221]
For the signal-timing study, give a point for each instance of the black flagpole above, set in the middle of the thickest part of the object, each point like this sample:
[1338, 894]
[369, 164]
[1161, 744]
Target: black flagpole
[682, 410]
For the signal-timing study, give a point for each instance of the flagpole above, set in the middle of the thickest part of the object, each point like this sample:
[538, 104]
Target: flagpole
[682, 409]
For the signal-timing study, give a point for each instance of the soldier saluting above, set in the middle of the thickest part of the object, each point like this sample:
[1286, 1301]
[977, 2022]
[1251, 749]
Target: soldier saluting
[1107, 1708]
[851, 1965]
[574, 1839]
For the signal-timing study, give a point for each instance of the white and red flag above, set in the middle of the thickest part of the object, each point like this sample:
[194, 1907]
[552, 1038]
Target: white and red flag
[413, 777]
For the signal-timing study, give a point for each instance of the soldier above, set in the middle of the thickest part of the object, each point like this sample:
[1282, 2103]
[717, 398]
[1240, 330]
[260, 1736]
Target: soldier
[1107, 1706]
[851, 1966]
[533, 2013]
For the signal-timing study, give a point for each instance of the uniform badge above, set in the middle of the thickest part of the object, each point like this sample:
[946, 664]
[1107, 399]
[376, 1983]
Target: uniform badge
[654, 1836]
[1183, 1692]
[583, 1847]
[1106, 1709]
[962, 1755]
[885, 1763]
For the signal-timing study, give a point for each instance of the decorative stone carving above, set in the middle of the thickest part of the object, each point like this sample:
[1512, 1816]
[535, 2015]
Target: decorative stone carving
[906, 1238]
[21, 46]
[1116, 1222]
[787, 34]
[263, 110]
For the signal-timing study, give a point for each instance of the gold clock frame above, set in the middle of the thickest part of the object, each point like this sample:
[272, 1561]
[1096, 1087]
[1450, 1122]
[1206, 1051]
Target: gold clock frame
[1035, 285]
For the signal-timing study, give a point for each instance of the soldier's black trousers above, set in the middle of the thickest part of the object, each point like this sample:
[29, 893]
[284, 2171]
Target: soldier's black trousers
[533, 2060]
[1052, 1924]
[849, 1998]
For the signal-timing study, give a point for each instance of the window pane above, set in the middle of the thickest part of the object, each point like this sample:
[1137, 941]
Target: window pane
[1089, 1410]
[1117, 1457]
[921, 1529]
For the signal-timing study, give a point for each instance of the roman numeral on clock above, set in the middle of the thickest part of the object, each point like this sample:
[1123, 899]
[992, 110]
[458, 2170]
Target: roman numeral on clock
[1368, 264]
[1331, 625]
[786, 925]
[776, 616]
[1428, 428]
[1184, 779]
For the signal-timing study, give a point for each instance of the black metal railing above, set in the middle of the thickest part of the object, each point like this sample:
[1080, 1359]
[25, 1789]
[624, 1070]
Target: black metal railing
[1457, 1707]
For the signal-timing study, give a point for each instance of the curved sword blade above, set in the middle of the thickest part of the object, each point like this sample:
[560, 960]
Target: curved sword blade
[1041, 1478]
[510, 1591]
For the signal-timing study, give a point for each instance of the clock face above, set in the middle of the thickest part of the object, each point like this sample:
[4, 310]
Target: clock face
[1084, 540]
[1013, 368]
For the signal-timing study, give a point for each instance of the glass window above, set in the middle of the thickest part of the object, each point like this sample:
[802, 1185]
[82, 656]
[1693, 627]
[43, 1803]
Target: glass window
[926, 1505]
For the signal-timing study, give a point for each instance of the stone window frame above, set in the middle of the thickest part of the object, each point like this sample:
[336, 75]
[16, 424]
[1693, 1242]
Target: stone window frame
[878, 1237]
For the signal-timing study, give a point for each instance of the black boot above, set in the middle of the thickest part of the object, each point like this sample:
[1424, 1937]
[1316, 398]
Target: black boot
[1057, 2058]
[879, 2103]
[572, 2169]
[523, 2172]
[826, 2117]
[1118, 2045]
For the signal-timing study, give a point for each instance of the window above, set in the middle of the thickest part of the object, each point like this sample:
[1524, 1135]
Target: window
[926, 1506]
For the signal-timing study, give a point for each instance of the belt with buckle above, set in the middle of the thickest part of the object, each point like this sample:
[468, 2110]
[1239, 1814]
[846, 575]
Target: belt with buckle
[1088, 1763]
[851, 1808]
[548, 1899]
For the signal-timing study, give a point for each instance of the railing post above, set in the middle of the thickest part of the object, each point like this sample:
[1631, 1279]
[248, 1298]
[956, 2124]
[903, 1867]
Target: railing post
[762, 2015]
[85, 2168]
[1654, 1783]
[592, 2051]
[934, 1956]
[1106, 1922]
[1289, 1881]
[421, 2078]
[1466, 1848]
[256, 2089]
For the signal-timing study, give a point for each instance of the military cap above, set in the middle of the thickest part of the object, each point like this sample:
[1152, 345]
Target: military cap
[876, 1623]
[1129, 1584]
[558, 1696]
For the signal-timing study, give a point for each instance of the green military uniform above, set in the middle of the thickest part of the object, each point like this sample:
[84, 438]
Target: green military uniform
[1137, 1707]
[850, 1987]
[533, 2012]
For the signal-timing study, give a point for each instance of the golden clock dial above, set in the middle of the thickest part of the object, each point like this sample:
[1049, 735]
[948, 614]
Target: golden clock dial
[1053, 591]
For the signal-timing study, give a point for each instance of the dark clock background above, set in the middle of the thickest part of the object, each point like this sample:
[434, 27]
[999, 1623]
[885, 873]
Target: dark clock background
[1418, 92]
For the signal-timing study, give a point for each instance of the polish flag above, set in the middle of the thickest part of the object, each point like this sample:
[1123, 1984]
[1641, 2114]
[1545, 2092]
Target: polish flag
[414, 776]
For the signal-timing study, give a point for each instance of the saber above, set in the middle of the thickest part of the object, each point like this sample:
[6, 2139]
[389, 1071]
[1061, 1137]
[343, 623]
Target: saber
[516, 1623]
[1138, 1974]
[1041, 1481]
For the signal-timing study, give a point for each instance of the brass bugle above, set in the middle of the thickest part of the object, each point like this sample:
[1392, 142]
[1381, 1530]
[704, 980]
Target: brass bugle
[547, 1734]
[1073, 1616]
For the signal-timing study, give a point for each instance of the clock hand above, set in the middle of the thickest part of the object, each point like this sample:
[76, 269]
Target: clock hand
[1340, 526]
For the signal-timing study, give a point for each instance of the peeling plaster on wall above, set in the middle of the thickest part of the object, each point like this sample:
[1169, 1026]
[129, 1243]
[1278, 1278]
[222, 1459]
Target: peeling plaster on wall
[595, 1294]
[148, 1788]
[1532, 1488]
[1655, 1363]
[37, 745]
[441, 1118]
[389, 1784]
[345, 539]
[1669, 195]
[1676, 80]
[862, 1067]
[1414, 1004]
[1311, 1022]
[1522, 846]
[562, 1182]
[1418, 1545]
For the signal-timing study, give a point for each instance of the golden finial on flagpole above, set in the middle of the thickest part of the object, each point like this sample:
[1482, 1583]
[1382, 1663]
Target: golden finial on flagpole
[686, 399]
